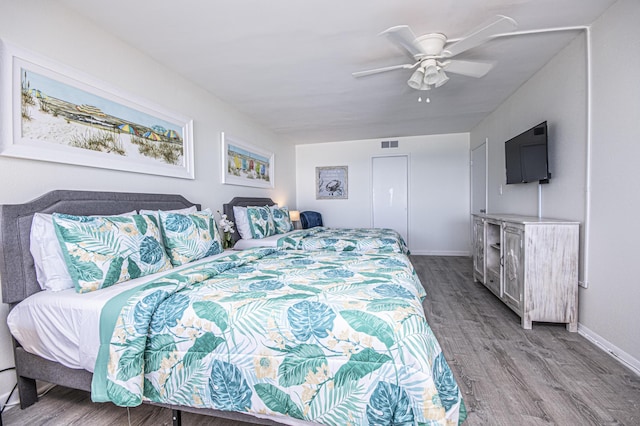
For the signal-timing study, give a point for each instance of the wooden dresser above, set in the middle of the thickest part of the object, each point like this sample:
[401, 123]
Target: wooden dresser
[531, 264]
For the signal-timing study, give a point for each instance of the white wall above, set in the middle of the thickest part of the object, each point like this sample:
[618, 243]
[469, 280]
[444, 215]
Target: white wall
[609, 307]
[558, 93]
[46, 28]
[555, 94]
[438, 188]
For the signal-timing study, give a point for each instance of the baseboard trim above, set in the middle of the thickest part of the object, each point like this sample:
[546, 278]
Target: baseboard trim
[43, 388]
[621, 356]
[440, 253]
[14, 401]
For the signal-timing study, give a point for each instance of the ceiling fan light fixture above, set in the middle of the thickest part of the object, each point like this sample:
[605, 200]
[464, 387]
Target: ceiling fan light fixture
[415, 82]
[430, 71]
[432, 79]
[442, 78]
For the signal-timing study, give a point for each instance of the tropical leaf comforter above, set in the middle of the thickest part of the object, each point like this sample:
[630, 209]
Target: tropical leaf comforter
[362, 240]
[333, 338]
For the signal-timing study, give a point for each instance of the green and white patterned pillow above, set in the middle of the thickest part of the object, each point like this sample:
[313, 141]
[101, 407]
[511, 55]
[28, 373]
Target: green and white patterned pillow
[189, 237]
[103, 251]
[281, 219]
[261, 222]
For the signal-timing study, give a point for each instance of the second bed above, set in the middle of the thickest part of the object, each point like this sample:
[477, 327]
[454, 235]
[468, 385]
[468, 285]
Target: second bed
[360, 240]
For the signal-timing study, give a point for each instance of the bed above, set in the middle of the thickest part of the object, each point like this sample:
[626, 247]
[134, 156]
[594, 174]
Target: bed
[362, 240]
[265, 335]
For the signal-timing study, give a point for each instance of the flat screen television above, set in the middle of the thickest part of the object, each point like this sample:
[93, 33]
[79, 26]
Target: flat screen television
[526, 158]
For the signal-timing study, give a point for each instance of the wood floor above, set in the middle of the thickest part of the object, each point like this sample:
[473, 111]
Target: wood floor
[508, 376]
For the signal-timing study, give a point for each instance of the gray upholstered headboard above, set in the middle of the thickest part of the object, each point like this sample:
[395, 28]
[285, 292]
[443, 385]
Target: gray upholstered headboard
[17, 271]
[243, 202]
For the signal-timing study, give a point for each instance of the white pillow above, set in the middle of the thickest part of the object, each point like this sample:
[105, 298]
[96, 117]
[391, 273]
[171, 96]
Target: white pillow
[186, 210]
[242, 222]
[51, 267]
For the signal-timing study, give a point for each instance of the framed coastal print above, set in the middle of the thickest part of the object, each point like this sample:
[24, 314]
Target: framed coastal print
[245, 164]
[332, 183]
[56, 113]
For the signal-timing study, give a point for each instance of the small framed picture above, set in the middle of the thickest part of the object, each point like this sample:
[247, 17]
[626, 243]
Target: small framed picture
[332, 183]
[246, 165]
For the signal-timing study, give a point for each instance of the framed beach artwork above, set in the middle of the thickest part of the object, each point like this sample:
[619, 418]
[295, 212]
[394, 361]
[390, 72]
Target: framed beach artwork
[55, 113]
[332, 183]
[244, 164]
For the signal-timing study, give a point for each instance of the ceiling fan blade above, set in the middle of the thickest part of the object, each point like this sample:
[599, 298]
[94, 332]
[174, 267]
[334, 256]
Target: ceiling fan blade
[402, 36]
[500, 24]
[468, 68]
[384, 69]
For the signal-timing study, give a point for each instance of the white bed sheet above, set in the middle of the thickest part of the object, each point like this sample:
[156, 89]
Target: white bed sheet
[271, 241]
[64, 326]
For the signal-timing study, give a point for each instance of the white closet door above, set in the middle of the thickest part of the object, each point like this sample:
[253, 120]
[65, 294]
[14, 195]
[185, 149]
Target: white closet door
[390, 193]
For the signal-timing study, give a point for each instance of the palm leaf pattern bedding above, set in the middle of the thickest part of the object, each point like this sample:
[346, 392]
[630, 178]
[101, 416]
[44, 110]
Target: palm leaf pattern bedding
[362, 240]
[335, 338]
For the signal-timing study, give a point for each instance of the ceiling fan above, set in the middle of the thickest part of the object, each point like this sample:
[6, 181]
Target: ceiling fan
[432, 53]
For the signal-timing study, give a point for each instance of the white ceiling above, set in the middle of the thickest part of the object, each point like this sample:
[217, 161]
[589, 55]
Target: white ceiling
[287, 64]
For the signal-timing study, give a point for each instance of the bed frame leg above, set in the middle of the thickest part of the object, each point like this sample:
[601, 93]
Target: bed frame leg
[176, 417]
[28, 391]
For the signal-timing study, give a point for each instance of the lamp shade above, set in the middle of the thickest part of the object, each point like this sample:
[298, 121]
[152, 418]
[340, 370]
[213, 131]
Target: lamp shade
[416, 79]
[430, 72]
[294, 215]
[442, 78]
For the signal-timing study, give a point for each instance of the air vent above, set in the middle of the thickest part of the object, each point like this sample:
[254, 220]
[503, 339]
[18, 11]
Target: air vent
[388, 144]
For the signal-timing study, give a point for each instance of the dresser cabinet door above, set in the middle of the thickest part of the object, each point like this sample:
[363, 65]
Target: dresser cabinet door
[478, 249]
[513, 267]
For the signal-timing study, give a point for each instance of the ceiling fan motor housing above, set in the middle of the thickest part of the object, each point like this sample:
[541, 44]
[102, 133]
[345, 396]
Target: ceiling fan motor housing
[431, 44]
